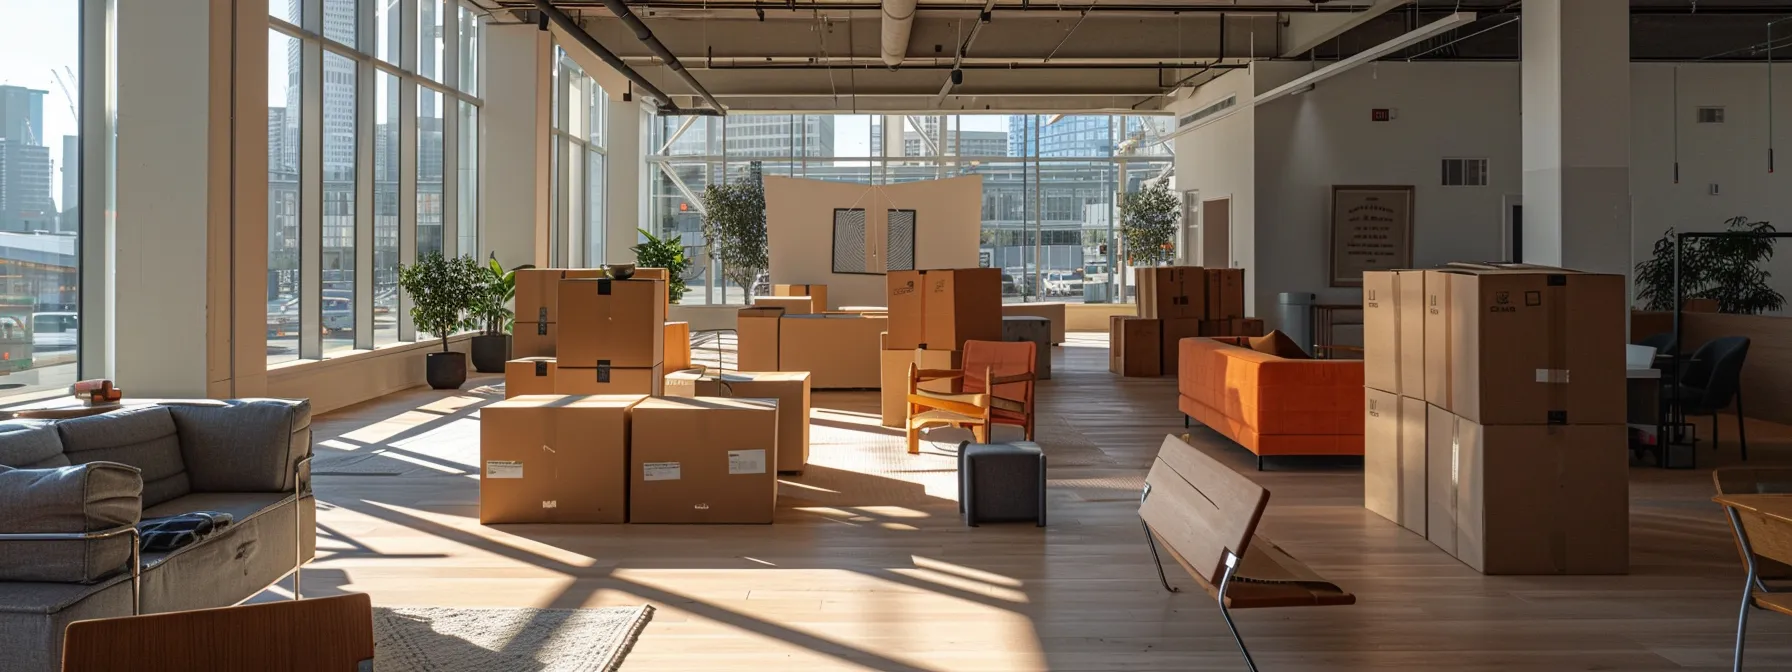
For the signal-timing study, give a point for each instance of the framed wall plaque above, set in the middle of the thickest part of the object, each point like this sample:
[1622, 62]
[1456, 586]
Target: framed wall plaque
[1371, 230]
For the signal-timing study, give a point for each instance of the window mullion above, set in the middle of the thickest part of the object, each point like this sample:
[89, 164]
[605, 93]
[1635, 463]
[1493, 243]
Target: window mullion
[407, 195]
[450, 112]
[366, 86]
[311, 220]
[449, 67]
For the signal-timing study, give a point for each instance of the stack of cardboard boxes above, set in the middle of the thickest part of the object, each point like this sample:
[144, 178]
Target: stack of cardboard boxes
[627, 458]
[931, 315]
[1521, 372]
[579, 332]
[794, 333]
[1177, 302]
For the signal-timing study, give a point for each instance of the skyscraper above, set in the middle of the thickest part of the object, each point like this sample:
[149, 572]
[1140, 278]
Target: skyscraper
[1076, 136]
[25, 173]
[22, 115]
[69, 219]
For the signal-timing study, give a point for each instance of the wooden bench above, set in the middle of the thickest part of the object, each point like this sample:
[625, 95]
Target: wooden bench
[1205, 516]
[1763, 527]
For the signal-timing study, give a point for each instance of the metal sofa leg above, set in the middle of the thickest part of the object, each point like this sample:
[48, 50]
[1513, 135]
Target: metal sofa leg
[1185, 420]
[1226, 582]
[1042, 482]
[1748, 588]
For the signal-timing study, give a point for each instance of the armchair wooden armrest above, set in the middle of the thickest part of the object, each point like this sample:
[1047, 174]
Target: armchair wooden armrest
[1016, 378]
[974, 405]
[937, 374]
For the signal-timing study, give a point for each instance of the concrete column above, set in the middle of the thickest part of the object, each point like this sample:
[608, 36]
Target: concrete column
[168, 296]
[1576, 82]
[518, 170]
[624, 209]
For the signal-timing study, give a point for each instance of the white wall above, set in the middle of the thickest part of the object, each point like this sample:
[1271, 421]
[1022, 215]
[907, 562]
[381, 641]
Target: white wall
[1310, 142]
[517, 170]
[799, 215]
[1219, 161]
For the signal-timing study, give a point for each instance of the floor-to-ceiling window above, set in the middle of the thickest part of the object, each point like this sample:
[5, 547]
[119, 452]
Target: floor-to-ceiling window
[384, 94]
[580, 106]
[1050, 183]
[40, 194]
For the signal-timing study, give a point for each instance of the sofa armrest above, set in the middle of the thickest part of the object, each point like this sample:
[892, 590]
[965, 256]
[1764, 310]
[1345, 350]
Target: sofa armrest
[68, 524]
[245, 445]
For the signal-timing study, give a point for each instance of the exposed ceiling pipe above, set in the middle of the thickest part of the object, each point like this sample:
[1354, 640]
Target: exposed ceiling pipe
[571, 27]
[899, 18]
[646, 37]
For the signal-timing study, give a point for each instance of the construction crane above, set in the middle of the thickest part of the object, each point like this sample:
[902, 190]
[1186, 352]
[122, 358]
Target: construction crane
[63, 84]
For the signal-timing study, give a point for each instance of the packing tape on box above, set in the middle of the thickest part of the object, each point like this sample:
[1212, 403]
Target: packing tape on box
[1556, 309]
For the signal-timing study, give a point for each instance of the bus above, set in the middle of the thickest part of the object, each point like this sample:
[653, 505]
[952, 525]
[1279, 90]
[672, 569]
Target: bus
[15, 333]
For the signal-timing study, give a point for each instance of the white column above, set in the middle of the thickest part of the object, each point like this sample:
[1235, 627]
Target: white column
[168, 314]
[1576, 81]
[517, 167]
[624, 210]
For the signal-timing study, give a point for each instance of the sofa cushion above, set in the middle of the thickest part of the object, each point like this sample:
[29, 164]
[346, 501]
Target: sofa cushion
[33, 617]
[84, 498]
[1278, 344]
[260, 546]
[246, 445]
[144, 438]
[30, 444]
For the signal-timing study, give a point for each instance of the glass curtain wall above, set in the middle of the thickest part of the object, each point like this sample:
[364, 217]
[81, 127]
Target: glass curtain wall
[1051, 183]
[395, 114]
[580, 109]
[40, 195]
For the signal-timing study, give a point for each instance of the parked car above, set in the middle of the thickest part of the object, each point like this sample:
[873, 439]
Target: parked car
[1063, 283]
[762, 285]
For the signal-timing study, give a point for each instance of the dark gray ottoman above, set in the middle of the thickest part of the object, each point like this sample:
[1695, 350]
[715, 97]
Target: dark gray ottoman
[1017, 328]
[1001, 482]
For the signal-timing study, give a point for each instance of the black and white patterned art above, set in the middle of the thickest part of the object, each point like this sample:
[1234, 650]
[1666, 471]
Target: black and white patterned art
[849, 240]
[900, 230]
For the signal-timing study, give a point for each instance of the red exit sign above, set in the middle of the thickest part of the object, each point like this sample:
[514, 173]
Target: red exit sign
[1381, 114]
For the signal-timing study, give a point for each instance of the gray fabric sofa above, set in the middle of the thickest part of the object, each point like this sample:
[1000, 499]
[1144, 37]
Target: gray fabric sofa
[72, 492]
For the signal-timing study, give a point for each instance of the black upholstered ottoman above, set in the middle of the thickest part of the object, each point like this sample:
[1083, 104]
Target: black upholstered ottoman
[1001, 482]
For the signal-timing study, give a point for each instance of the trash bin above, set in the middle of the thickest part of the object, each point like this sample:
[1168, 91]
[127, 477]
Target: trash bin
[1095, 292]
[1295, 310]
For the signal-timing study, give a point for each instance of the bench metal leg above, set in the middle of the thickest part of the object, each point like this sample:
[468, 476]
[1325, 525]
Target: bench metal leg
[1225, 582]
[1748, 587]
[1155, 560]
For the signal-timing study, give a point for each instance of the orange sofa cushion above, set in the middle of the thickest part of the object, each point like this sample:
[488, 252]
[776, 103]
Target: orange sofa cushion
[1272, 405]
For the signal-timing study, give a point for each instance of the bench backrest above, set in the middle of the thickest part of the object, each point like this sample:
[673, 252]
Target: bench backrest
[1200, 508]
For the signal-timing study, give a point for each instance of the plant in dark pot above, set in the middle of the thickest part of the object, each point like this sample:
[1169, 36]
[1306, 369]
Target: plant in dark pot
[1726, 271]
[495, 315]
[442, 293]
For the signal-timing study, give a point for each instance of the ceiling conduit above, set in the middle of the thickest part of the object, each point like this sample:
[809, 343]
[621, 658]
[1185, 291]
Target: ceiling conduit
[667, 106]
[899, 17]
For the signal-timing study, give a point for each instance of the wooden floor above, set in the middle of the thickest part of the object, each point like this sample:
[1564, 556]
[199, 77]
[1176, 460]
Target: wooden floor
[869, 567]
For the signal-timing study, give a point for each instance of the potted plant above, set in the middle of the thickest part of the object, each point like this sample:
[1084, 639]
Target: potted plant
[494, 316]
[734, 226]
[1148, 225]
[666, 253]
[1724, 270]
[442, 292]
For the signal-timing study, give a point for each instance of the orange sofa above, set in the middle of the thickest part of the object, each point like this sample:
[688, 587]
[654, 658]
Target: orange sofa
[1271, 405]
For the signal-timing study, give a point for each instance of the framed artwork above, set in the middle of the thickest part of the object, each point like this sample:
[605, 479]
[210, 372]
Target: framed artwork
[1371, 230]
[850, 231]
[899, 250]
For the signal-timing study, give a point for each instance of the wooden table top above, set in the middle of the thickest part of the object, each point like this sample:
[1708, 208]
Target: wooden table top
[1778, 507]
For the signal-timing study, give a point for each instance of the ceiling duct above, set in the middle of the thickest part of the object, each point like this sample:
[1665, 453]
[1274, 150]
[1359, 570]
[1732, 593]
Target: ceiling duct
[667, 105]
[899, 18]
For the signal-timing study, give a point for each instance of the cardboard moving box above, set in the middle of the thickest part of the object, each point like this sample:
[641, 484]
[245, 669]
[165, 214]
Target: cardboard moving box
[529, 375]
[678, 346]
[1172, 292]
[662, 275]
[940, 309]
[839, 349]
[817, 292]
[1528, 499]
[1225, 293]
[1387, 343]
[756, 333]
[1394, 458]
[1135, 347]
[1238, 326]
[1526, 347]
[619, 322]
[554, 459]
[1174, 330]
[538, 293]
[893, 377]
[1053, 311]
[708, 460]
[792, 305]
[605, 380]
[534, 339]
[790, 388]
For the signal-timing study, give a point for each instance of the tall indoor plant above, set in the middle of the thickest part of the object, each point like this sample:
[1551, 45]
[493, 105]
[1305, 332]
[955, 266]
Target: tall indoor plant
[494, 315]
[443, 292]
[666, 253]
[1148, 225]
[1725, 270]
[734, 226]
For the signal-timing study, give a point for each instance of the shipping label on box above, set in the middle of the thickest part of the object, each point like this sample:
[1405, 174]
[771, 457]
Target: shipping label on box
[503, 468]
[660, 471]
[746, 461]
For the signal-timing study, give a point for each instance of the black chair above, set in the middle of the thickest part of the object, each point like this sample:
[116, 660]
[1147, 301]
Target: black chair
[1711, 381]
[1664, 344]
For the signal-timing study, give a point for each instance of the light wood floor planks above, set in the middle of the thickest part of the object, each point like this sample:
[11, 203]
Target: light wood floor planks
[869, 568]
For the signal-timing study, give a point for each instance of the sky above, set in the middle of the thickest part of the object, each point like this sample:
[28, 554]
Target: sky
[852, 132]
[37, 37]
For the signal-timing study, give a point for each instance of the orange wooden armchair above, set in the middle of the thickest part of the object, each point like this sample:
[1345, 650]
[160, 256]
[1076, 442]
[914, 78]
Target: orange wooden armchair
[998, 380]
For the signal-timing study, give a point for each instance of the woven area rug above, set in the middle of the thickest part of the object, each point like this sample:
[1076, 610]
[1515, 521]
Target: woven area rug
[441, 639]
